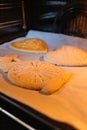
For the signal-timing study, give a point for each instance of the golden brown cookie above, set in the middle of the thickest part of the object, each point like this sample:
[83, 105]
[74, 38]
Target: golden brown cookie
[34, 45]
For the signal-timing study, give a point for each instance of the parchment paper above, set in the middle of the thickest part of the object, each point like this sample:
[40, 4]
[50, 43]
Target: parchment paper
[69, 104]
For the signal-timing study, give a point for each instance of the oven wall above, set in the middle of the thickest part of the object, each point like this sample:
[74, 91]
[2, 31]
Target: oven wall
[19, 16]
[12, 19]
[40, 14]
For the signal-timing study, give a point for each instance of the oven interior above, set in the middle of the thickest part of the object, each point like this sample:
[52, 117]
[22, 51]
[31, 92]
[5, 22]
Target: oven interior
[16, 18]
[19, 16]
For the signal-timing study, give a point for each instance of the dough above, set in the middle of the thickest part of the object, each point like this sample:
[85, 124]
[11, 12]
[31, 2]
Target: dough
[67, 55]
[38, 75]
[6, 62]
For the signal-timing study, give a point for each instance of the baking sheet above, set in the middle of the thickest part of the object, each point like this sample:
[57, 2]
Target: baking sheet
[70, 103]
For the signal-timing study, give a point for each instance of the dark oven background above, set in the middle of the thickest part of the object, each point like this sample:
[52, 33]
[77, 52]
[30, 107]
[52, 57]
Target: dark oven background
[19, 16]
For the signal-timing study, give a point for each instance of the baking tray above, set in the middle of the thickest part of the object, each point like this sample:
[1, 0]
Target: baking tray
[69, 103]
